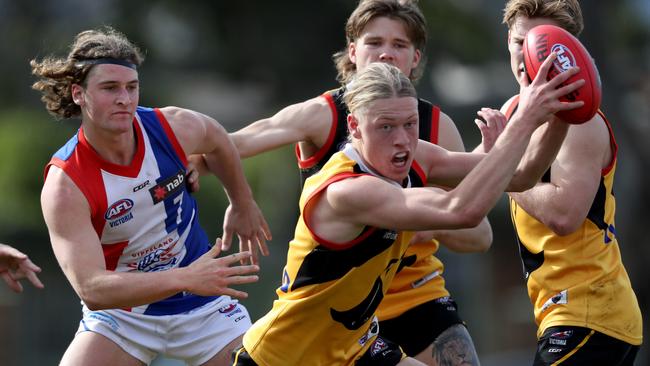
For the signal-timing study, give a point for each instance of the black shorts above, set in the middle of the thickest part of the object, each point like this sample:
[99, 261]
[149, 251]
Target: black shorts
[577, 346]
[241, 358]
[419, 327]
[381, 352]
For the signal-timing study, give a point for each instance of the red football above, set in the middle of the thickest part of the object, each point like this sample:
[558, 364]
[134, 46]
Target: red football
[540, 41]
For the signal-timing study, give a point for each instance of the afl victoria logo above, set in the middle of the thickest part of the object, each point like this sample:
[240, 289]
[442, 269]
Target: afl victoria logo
[118, 209]
[565, 58]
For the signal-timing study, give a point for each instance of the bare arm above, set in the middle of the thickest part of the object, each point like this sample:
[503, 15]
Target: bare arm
[469, 240]
[200, 134]
[540, 155]
[346, 206]
[14, 266]
[308, 122]
[79, 253]
[563, 203]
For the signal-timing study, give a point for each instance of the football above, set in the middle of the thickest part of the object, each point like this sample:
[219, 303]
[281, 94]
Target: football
[539, 42]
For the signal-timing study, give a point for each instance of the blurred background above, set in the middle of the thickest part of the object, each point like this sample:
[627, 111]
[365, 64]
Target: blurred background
[238, 61]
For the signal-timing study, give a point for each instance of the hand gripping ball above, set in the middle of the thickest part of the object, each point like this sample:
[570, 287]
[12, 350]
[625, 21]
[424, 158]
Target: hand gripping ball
[540, 41]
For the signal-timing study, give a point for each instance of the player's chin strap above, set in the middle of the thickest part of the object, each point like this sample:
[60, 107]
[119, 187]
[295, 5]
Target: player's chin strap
[106, 60]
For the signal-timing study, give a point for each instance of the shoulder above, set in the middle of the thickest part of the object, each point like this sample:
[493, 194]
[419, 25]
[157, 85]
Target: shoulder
[449, 137]
[357, 193]
[60, 191]
[319, 107]
[177, 115]
[588, 142]
[312, 117]
[428, 154]
[594, 131]
[447, 122]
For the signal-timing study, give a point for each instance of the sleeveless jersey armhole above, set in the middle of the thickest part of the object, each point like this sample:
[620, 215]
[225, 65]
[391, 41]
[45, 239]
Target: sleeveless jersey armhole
[171, 136]
[318, 156]
[306, 215]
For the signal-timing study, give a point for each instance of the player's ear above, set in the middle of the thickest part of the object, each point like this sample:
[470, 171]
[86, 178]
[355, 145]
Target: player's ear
[417, 56]
[352, 52]
[353, 126]
[77, 94]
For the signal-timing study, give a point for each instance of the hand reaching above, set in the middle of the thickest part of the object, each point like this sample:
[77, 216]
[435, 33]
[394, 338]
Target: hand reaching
[251, 229]
[212, 275]
[195, 165]
[494, 124]
[14, 266]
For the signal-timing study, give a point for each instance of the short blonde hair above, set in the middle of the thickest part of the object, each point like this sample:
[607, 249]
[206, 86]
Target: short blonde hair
[377, 81]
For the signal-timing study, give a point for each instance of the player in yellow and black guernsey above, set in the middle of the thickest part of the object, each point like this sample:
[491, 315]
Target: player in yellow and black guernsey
[358, 212]
[583, 300]
[391, 31]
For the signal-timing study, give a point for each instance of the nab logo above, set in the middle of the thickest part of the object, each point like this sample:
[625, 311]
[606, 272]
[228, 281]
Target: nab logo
[167, 187]
[118, 209]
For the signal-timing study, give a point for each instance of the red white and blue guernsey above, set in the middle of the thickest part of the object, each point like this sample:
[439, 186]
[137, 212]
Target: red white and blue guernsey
[144, 216]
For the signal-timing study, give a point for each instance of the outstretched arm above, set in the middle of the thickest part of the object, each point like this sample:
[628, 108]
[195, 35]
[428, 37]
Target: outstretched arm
[308, 122]
[348, 205]
[200, 134]
[14, 266]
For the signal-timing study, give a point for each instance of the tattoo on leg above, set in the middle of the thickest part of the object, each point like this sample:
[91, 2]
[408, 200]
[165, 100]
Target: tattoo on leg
[454, 347]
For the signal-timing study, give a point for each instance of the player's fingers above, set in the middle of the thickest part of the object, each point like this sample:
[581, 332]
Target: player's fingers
[14, 285]
[255, 257]
[542, 74]
[28, 264]
[481, 125]
[240, 280]
[234, 293]
[564, 106]
[267, 230]
[227, 239]
[215, 250]
[193, 182]
[567, 89]
[9, 251]
[261, 243]
[245, 246]
[33, 278]
[562, 77]
[236, 257]
[249, 269]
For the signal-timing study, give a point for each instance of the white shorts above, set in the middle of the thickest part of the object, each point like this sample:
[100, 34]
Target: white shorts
[194, 337]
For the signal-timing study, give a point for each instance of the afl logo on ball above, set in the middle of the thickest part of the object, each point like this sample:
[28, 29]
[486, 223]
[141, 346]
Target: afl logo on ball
[565, 59]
